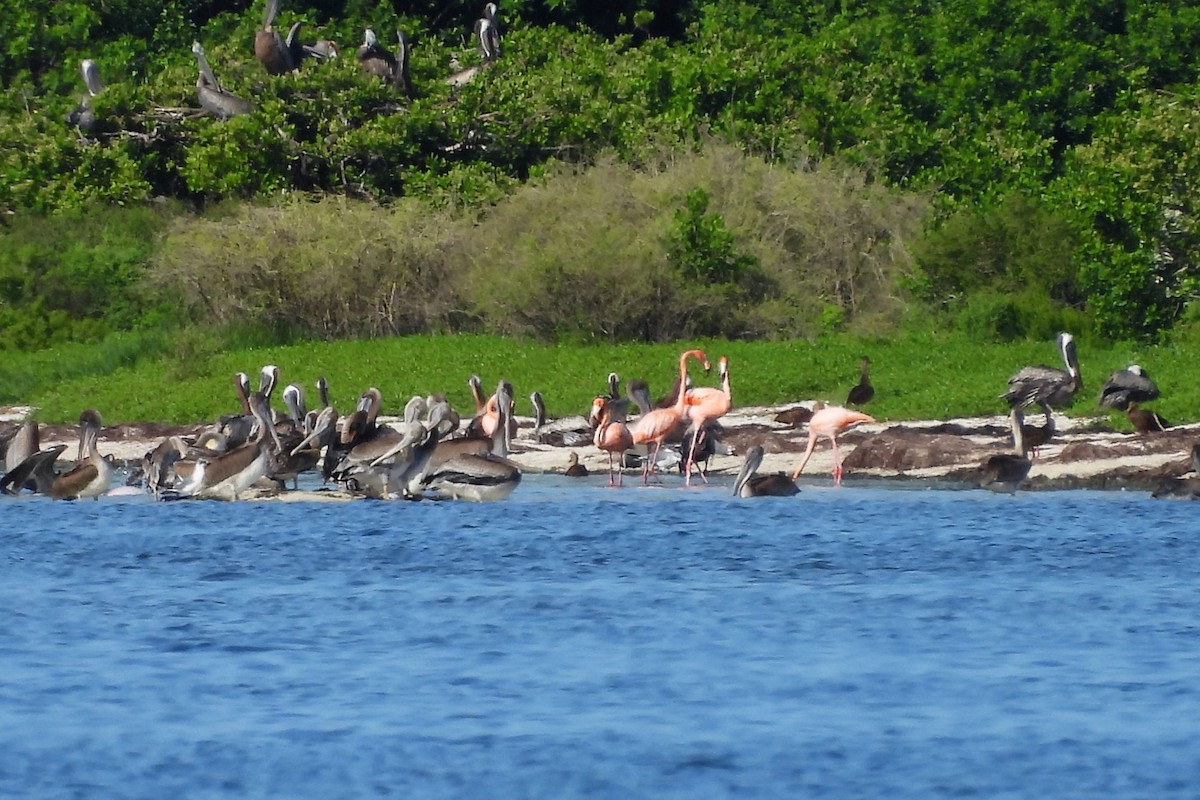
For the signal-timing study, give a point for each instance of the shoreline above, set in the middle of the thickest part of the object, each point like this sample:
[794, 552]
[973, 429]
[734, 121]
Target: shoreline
[1085, 452]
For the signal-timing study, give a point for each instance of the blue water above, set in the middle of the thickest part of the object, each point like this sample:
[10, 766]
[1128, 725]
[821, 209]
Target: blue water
[576, 641]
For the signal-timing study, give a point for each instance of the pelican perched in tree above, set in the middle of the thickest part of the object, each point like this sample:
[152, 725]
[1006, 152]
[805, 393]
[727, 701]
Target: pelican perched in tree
[750, 484]
[214, 99]
[487, 31]
[1124, 386]
[83, 117]
[1046, 386]
[1005, 472]
[401, 77]
[375, 58]
[276, 54]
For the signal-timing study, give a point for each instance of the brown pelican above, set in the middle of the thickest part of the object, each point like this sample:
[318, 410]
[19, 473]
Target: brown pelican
[322, 49]
[458, 474]
[214, 99]
[574, 468]
[375, 58]
[276, 54]
[93, 472]
[401, 78]
[1005, 472]
[1131, 384]
[750, 484]
[229, 474]
[1047, 386]
[487, 31]
[1184, 488]
[569, 431]
[863, 391]
[638, 392]
[406, 464]
[20, 443]
[1144, 420]
[83, 117]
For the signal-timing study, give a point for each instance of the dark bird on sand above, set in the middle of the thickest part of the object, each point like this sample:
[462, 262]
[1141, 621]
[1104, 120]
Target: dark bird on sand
[863, 391]
[1144, 420]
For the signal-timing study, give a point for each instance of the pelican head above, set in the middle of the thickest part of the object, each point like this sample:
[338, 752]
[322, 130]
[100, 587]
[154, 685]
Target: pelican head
[369, 38]
[91, 76]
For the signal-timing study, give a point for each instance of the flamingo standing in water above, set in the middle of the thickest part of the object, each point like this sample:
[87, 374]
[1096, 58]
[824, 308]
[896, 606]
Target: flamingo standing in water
[612, 435]
[829, 422]
[704, 404]
[660, 423]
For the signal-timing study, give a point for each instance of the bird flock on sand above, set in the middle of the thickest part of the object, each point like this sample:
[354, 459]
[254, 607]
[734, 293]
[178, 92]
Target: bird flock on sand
[281, 55]
[435, 452]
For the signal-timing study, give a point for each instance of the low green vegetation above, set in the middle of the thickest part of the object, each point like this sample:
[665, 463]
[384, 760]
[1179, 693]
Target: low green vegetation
[917, 376]
[806, 181]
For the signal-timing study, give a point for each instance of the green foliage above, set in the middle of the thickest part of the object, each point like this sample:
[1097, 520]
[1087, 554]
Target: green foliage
[74, 277]
[1134, 192]
[1007, 271]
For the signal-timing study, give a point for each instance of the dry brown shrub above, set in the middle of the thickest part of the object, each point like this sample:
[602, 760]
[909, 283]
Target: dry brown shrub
[330, 268]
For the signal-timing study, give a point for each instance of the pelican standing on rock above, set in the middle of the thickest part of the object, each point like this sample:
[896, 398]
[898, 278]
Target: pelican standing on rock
[1046, 386]
[214, 99]
[1124, 386]
[750, 484]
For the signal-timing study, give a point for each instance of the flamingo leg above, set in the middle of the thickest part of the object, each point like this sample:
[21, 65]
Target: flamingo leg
[837, 462]
[687, 465]
[808, 451]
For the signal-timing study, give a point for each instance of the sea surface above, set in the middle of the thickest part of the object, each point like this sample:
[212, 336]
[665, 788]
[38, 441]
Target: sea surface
[574, 641]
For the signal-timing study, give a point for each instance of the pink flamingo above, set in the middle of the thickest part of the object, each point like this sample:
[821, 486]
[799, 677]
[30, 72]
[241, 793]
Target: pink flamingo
[704, 404]
[612, 436]
[660, 423]
[829, 422]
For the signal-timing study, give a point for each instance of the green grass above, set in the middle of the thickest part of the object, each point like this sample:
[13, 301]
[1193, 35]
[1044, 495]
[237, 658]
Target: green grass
[917, 376]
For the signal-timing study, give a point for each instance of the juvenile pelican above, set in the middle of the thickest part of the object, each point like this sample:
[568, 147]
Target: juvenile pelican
[276, 54]
[1005, 472]
[750, 484]
[214, 99]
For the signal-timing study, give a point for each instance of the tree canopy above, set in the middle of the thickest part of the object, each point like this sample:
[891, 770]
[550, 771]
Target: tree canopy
[1078, 118]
